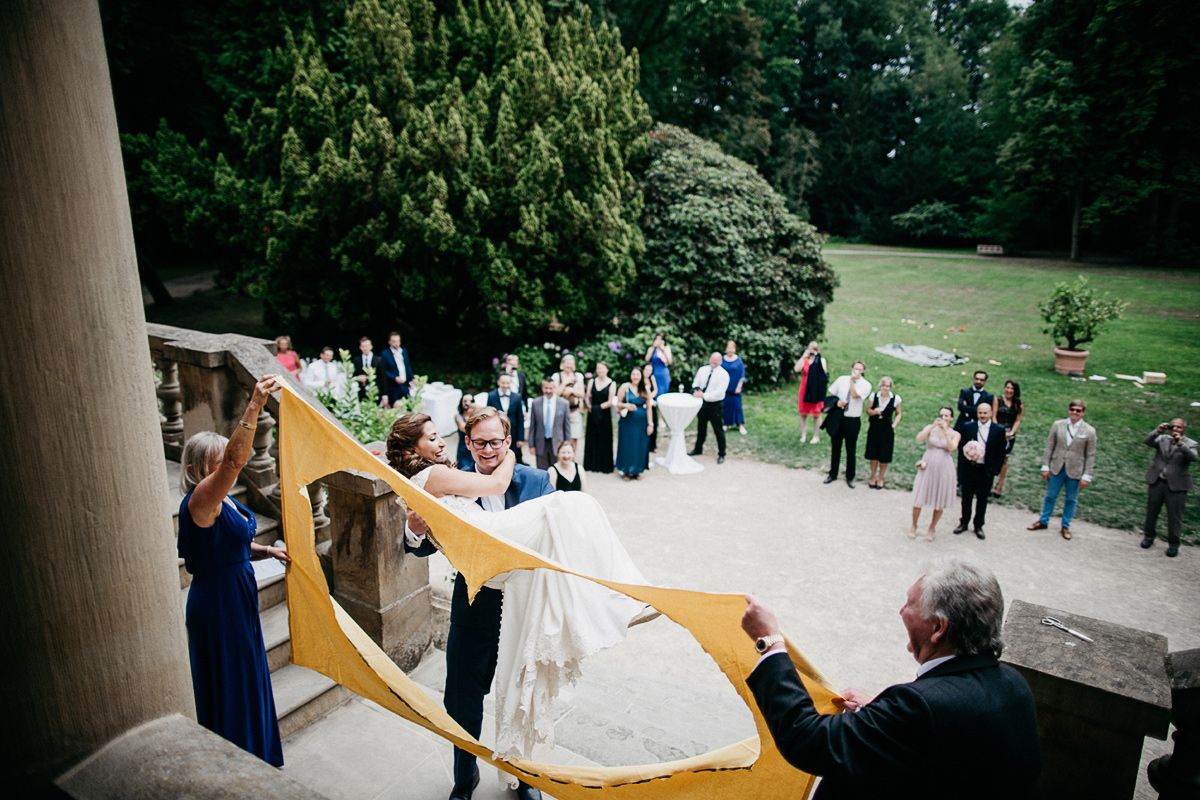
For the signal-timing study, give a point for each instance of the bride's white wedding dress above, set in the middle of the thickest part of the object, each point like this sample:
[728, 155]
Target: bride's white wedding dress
[550, 621]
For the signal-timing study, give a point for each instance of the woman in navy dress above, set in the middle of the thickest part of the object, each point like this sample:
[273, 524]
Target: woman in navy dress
[736, 368]
[230, 677]
[600, 397]
[633, 431]
[659, 359]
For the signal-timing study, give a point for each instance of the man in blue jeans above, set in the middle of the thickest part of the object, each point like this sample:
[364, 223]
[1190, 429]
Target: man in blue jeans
[1067, 464]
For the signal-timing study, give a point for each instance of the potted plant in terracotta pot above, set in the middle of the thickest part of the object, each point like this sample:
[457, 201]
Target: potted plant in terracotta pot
[1075, 314]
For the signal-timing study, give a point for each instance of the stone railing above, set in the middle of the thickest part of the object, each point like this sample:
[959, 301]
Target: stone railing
[205, 385]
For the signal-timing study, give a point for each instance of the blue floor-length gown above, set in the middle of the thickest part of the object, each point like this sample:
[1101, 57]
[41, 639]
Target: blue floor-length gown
[230, 677]
[633, 443]
[732, 410]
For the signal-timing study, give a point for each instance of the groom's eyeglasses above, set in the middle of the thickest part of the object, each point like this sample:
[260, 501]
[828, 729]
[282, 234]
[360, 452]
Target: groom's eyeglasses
[484, 444]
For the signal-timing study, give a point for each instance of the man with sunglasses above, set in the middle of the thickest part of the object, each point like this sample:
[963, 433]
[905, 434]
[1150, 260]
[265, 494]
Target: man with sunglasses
[1067, 464]
[474, 637]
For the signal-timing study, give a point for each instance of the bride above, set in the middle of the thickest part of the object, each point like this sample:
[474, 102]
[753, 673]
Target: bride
[549, 621]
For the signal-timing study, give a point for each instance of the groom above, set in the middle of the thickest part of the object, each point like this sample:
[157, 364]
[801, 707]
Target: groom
[474, 636]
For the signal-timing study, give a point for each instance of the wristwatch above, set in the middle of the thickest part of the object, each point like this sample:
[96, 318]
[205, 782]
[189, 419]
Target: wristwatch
[765, 643]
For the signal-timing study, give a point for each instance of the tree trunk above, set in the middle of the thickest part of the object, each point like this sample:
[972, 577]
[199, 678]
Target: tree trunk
[1076, 217]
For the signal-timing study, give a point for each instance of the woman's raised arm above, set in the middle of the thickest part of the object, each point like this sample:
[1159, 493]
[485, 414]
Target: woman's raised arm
[444, 480]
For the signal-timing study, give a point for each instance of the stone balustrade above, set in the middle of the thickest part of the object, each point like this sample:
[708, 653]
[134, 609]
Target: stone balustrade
[205, 384]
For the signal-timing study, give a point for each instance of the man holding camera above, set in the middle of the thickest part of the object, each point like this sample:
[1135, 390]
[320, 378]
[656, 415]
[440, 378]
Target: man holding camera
[1168, 480]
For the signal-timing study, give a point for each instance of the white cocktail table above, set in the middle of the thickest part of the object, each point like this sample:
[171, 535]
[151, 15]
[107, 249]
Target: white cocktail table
[678, 410]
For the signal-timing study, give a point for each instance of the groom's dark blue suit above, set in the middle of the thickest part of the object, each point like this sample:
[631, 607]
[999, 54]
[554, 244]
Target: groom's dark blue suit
[474, 638]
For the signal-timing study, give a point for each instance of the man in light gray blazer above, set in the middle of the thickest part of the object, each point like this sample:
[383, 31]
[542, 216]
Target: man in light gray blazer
[547, 424]
[1168, 480]
[1070, 455]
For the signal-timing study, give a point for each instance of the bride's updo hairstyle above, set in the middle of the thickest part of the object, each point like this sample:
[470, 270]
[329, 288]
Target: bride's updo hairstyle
[402, 441]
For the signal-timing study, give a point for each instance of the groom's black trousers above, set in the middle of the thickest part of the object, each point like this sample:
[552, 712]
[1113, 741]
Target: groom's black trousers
[471, 650]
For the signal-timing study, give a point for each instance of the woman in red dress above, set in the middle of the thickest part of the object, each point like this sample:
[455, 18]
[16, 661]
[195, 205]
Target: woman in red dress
[814, 380]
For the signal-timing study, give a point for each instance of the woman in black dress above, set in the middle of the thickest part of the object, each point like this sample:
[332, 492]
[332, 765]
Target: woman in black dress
[1009, 413]
[565, 474]
[598, 443]
[883, 417]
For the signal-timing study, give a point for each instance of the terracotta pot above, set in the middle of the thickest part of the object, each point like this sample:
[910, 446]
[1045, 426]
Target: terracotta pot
[1069, 362]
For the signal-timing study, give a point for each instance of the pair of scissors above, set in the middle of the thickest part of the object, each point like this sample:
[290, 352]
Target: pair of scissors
[1054, 623]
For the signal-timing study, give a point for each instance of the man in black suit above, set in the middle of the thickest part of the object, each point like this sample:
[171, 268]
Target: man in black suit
[965, 728]
[970, 398]
[474, 637]
[512, 366]
[976, 477]
[505, 400]
[1168, 481]
[366, 359]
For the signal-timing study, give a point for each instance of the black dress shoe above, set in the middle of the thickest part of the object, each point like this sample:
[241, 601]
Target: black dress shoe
[1172, 551]
[979, 533]
[465, 792]
[829, 479]
[527, 792]
[959, 528]
[695, 453]
[1147, 542]
[850, 483]
[720, 459]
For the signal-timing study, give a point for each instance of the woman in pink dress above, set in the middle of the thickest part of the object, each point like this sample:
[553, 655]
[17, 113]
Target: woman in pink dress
[934, 486]
[286, 356]
[814, 380]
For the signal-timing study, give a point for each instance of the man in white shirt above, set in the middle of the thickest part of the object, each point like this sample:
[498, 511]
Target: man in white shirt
[851, 390]
[1070, 456]
[323, 375]
[709, 385]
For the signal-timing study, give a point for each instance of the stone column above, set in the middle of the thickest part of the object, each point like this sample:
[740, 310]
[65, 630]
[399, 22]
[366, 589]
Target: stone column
[91, 630]
[385, 591]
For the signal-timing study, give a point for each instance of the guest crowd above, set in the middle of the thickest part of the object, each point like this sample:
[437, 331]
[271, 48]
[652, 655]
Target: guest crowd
[982, 436]
[967, 446]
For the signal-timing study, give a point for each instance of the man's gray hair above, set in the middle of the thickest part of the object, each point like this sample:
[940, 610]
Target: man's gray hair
[967, 597]
[200, 453]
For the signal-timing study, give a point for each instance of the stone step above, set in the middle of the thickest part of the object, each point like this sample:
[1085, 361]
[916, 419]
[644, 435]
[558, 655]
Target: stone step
[276, 636]
[303, 696]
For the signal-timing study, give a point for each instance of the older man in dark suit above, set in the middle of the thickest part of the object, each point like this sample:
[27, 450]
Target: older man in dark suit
[975, 477]
[1168, 481]
[965, 728]
[474, 637]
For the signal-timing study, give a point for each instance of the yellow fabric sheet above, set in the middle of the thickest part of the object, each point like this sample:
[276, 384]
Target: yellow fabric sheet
[326, 639]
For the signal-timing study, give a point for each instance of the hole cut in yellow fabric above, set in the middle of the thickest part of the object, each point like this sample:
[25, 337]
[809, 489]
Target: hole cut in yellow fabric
[326, 639]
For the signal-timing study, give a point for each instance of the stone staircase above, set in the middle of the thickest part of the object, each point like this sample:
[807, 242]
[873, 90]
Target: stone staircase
[301, 695]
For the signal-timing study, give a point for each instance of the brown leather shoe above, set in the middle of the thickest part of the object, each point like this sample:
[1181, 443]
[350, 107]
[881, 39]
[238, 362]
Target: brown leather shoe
[1066, 534]
[1037, 526]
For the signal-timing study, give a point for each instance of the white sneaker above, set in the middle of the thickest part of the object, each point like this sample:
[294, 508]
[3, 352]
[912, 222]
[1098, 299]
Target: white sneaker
[815, 440]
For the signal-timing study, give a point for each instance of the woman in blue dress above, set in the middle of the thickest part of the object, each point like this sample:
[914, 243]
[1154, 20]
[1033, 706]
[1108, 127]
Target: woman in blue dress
[736, 368]
[659, 359]
[230, 677]
[633, 431]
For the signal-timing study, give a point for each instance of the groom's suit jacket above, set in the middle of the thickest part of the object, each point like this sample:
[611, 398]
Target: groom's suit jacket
[965, 729]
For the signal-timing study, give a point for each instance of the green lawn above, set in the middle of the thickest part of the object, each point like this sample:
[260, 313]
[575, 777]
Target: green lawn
[995, 302]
